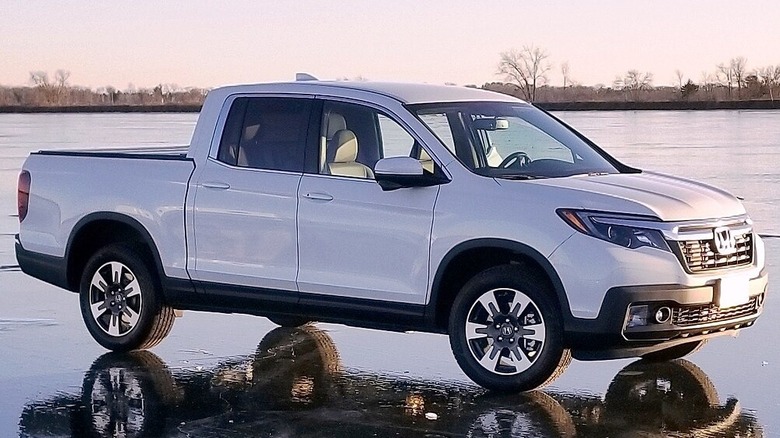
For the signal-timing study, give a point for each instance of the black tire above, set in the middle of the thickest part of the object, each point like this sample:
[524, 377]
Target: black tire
[534, 359]
[288, 321]
[121, 302]
[676, 352]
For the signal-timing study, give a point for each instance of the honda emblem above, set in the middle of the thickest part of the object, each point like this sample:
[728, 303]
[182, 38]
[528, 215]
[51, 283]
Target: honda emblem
[725, 242]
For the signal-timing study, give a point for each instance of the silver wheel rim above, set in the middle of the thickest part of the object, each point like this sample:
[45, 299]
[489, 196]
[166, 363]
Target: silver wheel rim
[115, 299]
[505, 331]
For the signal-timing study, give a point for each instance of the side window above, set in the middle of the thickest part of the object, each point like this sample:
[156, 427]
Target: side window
[441, 127]
[396, 142]
[354, 137]
[266, 133]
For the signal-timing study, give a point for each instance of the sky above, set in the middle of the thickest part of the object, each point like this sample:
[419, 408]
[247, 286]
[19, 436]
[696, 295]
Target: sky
[207, 44]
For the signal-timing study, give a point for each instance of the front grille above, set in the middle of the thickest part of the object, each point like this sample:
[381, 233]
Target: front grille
[700, 255]
[708, 313]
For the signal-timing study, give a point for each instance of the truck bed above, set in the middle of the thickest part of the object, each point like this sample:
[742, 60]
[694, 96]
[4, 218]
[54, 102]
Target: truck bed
[144, 186]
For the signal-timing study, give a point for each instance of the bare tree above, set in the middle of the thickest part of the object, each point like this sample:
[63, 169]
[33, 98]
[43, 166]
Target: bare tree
[633, 82]
[725, 76]
[679, 75]
[566, 73]
[111, 92]
[61, 78]
[40, 79]
[708, 82]
[770, 78]
[527, 68]
[738, 70]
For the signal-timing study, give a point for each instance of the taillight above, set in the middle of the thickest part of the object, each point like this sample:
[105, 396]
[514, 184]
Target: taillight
[23, 194]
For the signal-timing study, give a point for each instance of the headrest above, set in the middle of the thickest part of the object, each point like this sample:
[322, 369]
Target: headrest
[250, 131]
[346, 146]
[336, 123]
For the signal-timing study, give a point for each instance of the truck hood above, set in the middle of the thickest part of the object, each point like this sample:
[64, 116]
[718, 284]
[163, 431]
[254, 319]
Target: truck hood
[666, 197]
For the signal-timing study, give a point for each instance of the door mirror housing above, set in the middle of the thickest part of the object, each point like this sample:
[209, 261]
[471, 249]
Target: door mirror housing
[400, 172]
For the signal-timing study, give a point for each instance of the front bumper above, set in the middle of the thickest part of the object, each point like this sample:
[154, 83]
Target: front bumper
[693, 316]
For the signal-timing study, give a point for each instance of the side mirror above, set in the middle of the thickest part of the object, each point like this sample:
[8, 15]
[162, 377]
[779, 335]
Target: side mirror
[399, 172]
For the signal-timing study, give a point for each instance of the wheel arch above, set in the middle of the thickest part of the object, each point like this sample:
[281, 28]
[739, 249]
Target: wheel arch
[99, 229]
[471, 257]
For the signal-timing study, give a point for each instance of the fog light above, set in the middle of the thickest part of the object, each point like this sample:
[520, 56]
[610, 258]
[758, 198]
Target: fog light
[662, 315]
[637, 316]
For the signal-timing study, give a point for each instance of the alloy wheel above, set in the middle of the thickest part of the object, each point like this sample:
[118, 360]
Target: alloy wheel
[115, 299]
[505, 331]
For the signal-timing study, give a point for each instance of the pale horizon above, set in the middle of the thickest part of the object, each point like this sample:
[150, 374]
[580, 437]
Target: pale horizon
[196, 44]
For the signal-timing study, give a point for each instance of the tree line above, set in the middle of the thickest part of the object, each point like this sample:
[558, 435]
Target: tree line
[525, 73]
[56, 91]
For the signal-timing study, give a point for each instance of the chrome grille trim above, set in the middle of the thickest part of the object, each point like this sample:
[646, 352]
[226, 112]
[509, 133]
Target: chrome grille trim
[709, 313]
[701, 255]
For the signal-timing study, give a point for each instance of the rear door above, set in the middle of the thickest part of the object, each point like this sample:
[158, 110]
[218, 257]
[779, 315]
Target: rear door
[245, 203]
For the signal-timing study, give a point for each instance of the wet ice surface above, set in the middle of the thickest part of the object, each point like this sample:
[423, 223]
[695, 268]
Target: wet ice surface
[234, 375]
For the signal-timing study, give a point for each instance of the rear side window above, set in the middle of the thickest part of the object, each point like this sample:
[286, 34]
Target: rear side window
[266, 133]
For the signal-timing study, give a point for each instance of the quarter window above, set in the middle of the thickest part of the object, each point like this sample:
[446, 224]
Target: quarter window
[266, 133]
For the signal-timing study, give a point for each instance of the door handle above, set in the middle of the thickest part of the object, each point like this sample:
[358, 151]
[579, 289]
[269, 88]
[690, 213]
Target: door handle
[318, 196]
[216, 185]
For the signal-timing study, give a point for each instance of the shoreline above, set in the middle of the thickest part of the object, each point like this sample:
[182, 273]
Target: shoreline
[549, 106]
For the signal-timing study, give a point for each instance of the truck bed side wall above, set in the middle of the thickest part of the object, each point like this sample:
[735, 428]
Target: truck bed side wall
[64, 189]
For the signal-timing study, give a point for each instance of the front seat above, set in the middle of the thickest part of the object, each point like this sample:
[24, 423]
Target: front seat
[345, 145]
[334, 122]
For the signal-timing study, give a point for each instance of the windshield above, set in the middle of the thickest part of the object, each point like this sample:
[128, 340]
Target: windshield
[507, 140]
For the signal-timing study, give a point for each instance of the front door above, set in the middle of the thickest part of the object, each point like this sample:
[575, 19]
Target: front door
[357, 241]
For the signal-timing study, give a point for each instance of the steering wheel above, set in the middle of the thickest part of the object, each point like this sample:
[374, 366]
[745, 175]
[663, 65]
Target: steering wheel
[515, 159]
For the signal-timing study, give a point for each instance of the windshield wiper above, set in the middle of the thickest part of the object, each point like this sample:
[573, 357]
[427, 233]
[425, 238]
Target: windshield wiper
[520, 176]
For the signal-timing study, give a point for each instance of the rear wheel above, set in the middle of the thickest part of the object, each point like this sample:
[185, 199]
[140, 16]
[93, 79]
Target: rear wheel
[120, 301]
[506, 331]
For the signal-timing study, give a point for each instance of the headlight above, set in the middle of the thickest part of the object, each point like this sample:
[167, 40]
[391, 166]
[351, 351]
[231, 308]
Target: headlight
[615, 228]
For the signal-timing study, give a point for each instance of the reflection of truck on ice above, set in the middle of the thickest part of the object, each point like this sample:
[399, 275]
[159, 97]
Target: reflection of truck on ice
[401, 207]
[294, 385]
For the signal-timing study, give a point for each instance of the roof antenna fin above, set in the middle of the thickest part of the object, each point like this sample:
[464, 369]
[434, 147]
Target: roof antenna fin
[304, 77]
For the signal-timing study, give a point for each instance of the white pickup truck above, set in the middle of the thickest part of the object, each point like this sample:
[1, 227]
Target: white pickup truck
[399, 207]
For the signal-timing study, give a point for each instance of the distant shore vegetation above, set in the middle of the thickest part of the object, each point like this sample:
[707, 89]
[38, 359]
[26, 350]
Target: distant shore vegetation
[45, 91]
[524, 74]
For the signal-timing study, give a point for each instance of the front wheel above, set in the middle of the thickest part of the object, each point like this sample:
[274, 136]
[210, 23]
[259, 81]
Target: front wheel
[121, 303]
[506, 331]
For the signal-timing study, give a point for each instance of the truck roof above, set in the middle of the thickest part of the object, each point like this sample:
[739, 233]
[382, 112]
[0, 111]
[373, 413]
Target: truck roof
[403, 92]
